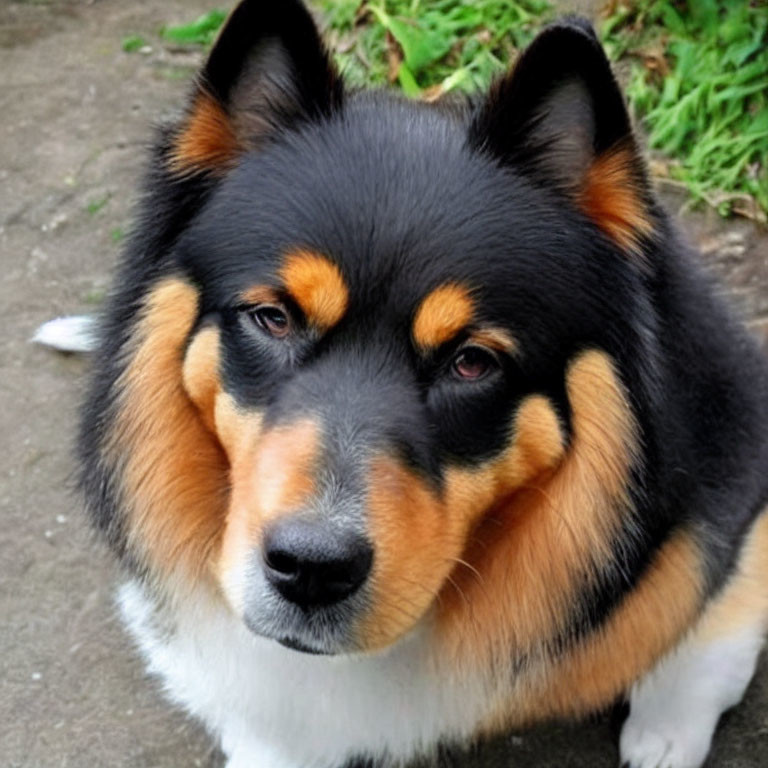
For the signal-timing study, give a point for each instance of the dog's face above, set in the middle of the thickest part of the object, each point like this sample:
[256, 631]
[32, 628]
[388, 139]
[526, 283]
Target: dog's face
[368, 316]
[374, 343]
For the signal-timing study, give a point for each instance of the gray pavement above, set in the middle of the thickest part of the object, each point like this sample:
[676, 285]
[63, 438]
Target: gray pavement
[75, 112]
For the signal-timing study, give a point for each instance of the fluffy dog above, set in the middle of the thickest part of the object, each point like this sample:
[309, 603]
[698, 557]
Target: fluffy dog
[411, 423]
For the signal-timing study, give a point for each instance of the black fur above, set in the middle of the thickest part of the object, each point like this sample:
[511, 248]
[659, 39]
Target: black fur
[405, 197]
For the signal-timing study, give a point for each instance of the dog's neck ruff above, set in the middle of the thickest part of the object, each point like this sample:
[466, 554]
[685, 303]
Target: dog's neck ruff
[278, 708]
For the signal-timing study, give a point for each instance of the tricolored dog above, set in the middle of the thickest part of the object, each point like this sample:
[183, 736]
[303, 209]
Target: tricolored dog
[413, 423]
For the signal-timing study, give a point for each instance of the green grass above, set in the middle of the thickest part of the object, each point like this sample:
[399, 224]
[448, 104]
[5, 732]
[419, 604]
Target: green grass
[699, 81]
[133, 43]
[95, 296]
[202, 31]
[429, 47]
[94, 206]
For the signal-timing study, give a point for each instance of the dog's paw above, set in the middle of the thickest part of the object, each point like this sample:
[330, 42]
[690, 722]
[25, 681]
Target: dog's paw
[663, 746]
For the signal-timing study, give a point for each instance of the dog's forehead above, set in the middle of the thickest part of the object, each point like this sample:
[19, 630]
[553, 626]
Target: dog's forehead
[395, 197]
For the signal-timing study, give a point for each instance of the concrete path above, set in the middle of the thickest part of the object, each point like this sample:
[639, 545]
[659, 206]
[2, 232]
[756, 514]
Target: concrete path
[75, 113]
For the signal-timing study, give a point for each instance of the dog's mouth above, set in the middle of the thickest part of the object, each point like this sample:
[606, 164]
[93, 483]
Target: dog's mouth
[319, 633]
[297, 645]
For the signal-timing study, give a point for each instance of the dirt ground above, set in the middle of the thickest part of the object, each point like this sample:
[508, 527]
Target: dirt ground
[75, 113]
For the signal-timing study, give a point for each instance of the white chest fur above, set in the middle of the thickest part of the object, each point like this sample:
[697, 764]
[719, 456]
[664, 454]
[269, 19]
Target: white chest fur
[276, 708]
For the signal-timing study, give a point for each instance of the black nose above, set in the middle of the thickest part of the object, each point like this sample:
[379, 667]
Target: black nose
[311, 565]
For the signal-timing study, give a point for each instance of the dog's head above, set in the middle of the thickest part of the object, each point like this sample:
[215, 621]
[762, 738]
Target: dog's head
[363, 367]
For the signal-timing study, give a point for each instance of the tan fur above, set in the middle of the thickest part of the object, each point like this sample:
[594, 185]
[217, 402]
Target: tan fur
[610, 196]
[317, 286]
[272, 475]
[540, 545]
[650, 620]
[174, 472]
[441, 315]
[207, 140]
[413, 540]
[200, 374]
[260, 294]
[602, 666]
[420, 535]
[495, 338]
[503, 552]
[234, 426]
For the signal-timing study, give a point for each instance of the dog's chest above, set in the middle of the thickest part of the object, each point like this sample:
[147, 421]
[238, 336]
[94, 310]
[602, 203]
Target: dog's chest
[286, 709]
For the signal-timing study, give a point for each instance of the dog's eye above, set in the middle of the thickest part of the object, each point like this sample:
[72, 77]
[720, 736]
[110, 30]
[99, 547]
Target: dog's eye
[273, 319]
[473, 363]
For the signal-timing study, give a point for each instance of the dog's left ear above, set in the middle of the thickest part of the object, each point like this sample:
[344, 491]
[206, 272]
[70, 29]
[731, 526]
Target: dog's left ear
[559, 118]
[268, 70]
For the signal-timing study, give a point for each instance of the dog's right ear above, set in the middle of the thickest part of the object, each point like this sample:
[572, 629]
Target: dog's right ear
[268, 69]
[559, 117]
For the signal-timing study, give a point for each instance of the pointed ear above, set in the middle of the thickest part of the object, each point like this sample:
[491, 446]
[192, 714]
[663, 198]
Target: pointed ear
[268, 69]
[559, 117]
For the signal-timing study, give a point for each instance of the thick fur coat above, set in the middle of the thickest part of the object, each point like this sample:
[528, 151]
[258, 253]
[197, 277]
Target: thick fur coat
[412, 423]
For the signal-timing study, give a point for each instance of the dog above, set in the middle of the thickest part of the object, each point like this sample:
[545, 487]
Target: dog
[412, 423]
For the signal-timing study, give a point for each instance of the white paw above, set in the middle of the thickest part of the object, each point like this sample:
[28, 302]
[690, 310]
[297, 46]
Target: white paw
[664, 746]
[674, 709]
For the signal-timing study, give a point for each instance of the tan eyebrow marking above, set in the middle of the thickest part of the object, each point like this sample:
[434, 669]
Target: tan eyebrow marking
[441, 315]
[260, 294]
[495, 338]
[317, 286]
